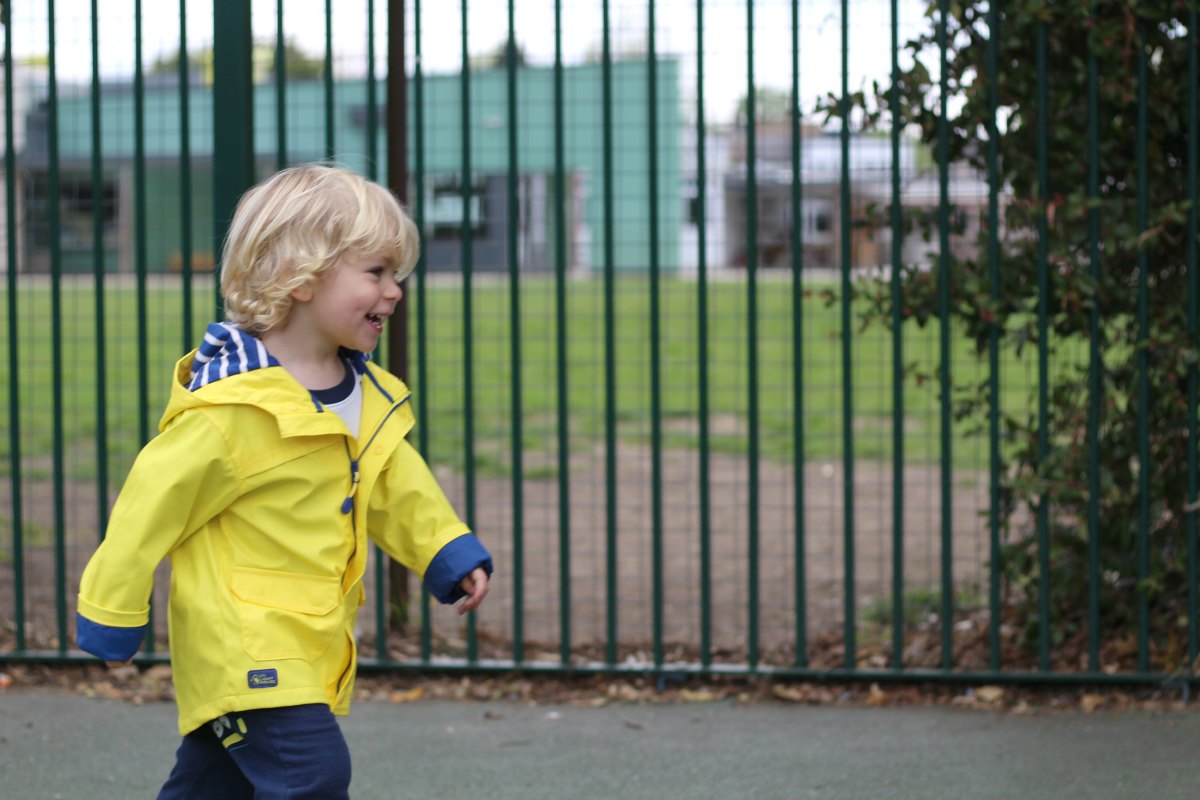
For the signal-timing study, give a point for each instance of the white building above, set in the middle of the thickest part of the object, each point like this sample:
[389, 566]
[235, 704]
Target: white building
[871, 176]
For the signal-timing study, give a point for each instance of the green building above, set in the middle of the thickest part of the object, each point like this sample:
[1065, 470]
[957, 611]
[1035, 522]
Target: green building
[167, 204]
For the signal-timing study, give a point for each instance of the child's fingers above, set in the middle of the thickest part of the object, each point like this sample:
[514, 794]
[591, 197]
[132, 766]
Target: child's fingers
[471, 602]
[476, 587]
[468, 605]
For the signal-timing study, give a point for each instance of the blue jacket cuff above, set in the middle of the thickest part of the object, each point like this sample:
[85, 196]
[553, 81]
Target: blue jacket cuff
[110, 644]
[455, 561]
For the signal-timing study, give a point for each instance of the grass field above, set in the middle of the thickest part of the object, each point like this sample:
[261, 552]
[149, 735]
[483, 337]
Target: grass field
[129, 410]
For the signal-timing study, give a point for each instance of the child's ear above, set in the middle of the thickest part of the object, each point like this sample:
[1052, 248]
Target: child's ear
[303, 293]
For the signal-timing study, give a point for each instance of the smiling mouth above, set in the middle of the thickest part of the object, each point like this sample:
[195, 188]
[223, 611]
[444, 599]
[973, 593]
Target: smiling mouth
[375, 320]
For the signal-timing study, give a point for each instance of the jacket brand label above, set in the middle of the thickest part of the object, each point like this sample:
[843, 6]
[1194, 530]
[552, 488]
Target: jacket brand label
[262, 678]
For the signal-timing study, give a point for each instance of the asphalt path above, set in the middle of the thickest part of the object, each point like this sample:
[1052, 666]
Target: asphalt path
[56, 746]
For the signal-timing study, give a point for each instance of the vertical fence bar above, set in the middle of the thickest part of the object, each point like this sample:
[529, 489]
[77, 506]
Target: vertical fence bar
[422, 269]
[14, 372]
[233, 101]
[704, 496]
[561, 353]
[1142, 366]
[140, 255]
[54, 200]
[1095, 385]
[799, 561]
[993, 245]
[1193, 292]
[396, 124]
[656, 467]
[467, 307]
[514, 334]
[1043, 360]
[330, 141]
[897, 286]
[139, 212]
[185, 177]
[372, 134]
[947, 461]
[98, 267]
[610, 352]
[280, 88]
[846, 256]
[396, 107]
[371, 129]
[752, 510]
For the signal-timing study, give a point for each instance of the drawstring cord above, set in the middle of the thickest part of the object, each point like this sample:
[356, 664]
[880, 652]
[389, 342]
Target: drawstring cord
[348, 503]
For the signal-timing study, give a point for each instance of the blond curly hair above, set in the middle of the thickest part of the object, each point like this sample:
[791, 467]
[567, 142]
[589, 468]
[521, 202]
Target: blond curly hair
[300, 223]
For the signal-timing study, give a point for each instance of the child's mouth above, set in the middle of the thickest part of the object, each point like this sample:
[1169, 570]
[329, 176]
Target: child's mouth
[376, 321]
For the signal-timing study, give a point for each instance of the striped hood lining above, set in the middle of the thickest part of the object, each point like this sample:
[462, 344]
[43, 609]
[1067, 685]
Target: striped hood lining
[228, 350]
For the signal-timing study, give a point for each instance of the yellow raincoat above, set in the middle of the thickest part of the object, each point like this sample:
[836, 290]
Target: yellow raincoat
[264, 503]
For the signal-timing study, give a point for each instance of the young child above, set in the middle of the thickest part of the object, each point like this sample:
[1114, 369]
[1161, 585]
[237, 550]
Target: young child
[282, 449]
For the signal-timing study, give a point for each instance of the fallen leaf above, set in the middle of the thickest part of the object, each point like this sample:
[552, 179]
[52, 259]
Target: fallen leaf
[1125, 647]
[123, 673]
[625, 692]
[159, 672]
[990, 695]
[876, 696]
[965, 700]
[793, 694]
[406, 697]
[1090, 702]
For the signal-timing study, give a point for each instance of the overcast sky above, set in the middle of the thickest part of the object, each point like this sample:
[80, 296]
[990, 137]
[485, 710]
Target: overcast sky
[725, 24]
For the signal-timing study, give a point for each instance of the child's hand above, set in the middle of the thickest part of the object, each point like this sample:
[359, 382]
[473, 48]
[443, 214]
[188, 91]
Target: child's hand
[476, 587]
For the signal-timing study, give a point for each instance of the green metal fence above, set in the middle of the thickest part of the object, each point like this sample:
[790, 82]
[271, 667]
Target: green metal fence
[739, 348]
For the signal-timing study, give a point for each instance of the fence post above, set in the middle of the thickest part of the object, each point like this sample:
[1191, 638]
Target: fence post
[17, 514]
[233, 112]
[396, 109]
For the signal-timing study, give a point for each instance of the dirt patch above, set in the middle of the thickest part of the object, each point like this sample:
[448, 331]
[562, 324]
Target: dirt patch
[742, 582]
[751, 571]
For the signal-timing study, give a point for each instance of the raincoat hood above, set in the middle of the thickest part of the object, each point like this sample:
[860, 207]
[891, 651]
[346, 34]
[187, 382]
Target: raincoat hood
[203, 377]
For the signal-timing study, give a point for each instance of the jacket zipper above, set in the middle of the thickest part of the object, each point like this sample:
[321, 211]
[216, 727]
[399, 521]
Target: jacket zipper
[348, 503]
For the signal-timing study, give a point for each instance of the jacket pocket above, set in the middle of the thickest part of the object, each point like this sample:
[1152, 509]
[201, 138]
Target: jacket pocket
[286, 614]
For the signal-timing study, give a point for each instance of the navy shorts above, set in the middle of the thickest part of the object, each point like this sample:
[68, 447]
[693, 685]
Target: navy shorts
[266, 754]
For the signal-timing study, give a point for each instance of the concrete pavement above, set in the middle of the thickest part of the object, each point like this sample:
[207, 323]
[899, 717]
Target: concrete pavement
[55, 746]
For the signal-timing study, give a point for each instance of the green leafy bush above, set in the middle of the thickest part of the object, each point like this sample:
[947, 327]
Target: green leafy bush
[1101, 244]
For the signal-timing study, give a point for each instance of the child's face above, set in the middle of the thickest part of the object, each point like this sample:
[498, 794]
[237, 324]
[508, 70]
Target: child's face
[351, 302]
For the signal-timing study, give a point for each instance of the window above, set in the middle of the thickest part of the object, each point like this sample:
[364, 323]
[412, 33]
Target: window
[818, 217]
[77, 199]
[444, 213]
